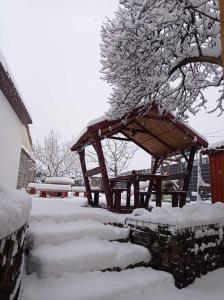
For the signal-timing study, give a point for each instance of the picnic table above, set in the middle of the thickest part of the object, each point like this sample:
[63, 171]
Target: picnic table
[141, 198]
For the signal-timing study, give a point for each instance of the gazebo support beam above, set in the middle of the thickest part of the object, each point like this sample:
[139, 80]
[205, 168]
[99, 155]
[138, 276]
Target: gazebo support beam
[85, 176]
[187, 176]
[103, 170]
[156, 165]
[155, 137]
[118, 138]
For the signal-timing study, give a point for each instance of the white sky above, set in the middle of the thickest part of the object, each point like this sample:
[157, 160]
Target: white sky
[52, 49]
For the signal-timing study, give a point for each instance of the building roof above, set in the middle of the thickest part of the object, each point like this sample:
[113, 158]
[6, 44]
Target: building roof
[158, 134]
[11, 93]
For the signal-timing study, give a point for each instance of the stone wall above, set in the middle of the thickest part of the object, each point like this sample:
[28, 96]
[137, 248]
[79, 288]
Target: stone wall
[186, 254]
[11, 264]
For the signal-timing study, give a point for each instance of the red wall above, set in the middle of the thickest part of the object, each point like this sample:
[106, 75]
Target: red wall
[216, 161]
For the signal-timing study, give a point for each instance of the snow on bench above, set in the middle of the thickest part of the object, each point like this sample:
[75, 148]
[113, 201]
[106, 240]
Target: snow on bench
[82, 189]
[15, 206]
[84, 255]
[58, 233]
[49, 187]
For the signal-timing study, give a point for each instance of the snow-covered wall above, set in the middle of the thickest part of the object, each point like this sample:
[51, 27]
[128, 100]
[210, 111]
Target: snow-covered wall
[11, 134]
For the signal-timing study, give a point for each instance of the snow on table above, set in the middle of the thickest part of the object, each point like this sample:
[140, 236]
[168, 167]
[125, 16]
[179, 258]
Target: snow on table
[47, 187]
[68, 209]
[15, 206]
[83, 255]
[58, 233]
[60, 180]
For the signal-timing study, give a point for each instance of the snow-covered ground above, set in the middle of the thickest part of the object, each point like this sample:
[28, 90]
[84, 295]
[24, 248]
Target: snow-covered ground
[72, 243]
[138, 283]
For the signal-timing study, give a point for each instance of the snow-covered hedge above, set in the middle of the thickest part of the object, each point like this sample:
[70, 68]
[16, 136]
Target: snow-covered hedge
[15, 207]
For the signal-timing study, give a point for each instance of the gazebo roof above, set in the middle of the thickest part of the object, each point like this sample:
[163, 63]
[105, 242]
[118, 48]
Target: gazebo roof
[158, 134]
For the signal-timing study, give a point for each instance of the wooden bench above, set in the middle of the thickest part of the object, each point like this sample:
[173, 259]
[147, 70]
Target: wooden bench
[176, 195]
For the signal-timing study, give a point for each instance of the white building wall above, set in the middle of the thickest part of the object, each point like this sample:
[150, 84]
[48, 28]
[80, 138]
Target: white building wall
[11, 135]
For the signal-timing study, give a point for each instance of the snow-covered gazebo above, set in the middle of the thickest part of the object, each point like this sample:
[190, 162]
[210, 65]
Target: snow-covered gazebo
[160, 135]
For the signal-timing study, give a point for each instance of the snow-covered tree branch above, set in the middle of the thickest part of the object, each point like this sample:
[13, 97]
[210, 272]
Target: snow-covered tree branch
[54, 158]
[166, 52]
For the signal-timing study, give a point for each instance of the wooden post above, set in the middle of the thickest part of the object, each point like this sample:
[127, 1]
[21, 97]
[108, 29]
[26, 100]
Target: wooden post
[103, 170]
[96, 198]
[136, 189]
[187, 176]
[117, 200]
[43, 194]
[175, 197]
[158, 192]
[128, 199]
[64, 194]
[154, 169]
[85, 177]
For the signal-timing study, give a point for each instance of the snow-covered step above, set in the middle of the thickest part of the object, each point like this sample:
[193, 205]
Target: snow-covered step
[53, 210]
[58, 233]
[84, 255]
[139, 283]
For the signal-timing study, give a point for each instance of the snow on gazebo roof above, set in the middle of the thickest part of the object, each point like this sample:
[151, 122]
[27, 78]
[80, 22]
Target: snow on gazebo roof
[156, 133]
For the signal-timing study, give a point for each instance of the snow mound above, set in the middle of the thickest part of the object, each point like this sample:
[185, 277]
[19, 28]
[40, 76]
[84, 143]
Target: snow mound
[59, 233]
[83, 255]
[15, 209]
[54, 210]
[189, 216]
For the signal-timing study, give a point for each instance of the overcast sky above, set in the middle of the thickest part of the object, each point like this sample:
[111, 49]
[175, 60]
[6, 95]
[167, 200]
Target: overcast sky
[52, 49]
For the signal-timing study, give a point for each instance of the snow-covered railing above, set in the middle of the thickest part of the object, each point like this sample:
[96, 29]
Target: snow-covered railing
[15, 209]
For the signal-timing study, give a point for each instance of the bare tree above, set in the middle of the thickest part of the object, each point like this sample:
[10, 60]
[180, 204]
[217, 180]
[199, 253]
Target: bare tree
[54, 158]
[117, 153]
[166, 52]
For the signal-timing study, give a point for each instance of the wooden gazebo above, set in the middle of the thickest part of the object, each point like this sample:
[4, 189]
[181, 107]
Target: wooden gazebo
[161, 136]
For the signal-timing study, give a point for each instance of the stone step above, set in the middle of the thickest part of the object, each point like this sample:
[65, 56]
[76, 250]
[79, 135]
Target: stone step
[59, 233]
[83, 255]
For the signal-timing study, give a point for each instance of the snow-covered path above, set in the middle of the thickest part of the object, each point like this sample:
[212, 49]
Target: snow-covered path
[72, 243]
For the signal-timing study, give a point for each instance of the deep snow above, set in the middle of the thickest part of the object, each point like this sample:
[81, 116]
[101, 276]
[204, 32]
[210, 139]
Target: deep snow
[72, 253]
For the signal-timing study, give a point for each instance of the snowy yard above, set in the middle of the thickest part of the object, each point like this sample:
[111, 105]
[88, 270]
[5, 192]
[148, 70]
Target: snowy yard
[71, 244]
